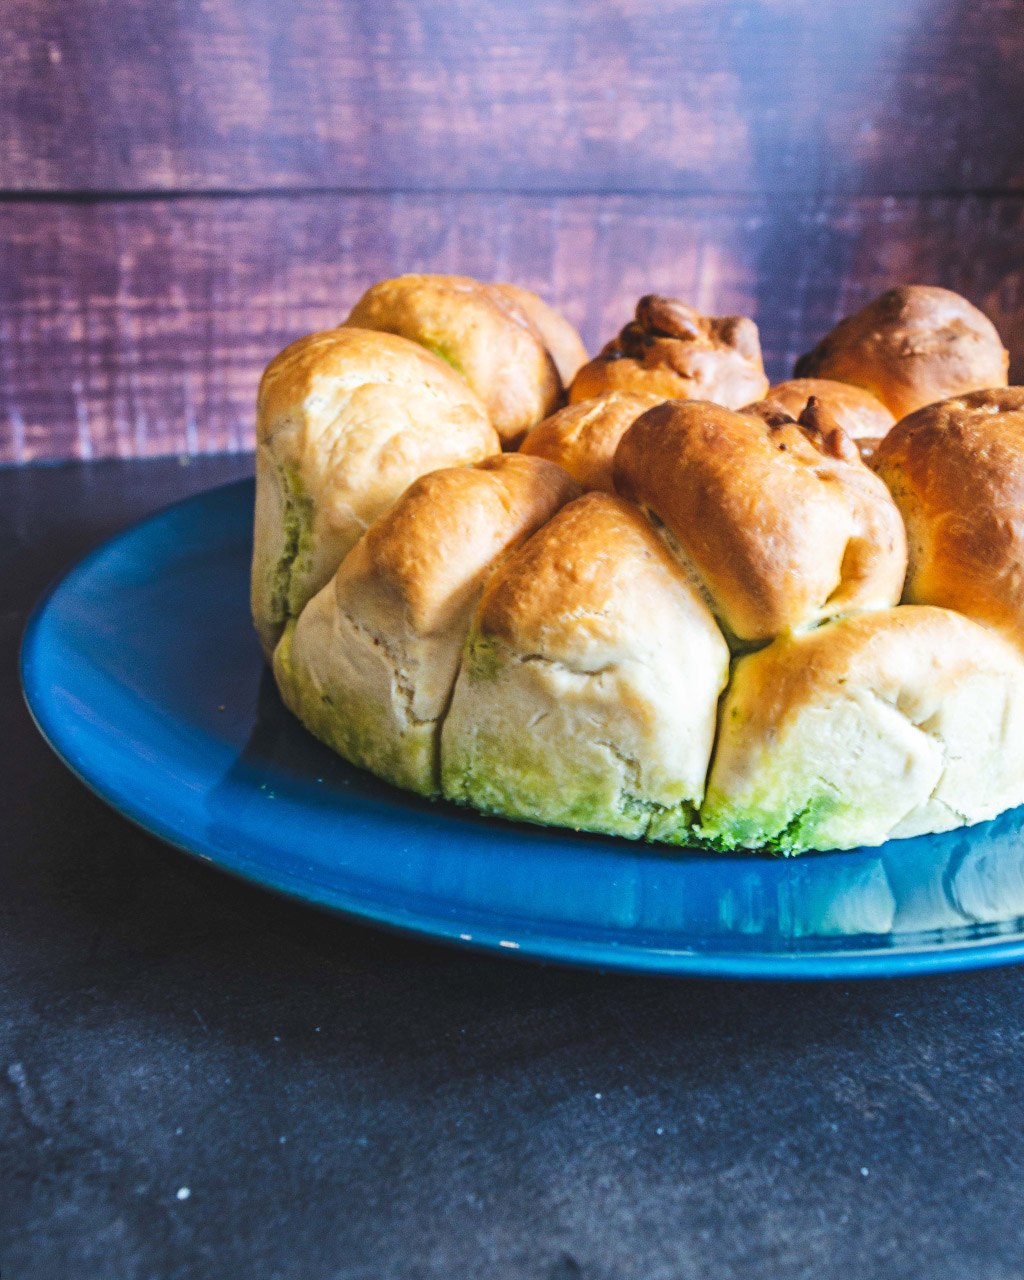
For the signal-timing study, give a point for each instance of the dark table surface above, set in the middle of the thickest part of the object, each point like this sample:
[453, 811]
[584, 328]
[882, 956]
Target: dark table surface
[343, 1103]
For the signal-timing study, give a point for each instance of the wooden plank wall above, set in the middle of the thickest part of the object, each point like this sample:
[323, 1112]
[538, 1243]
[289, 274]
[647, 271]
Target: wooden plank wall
[187, 185]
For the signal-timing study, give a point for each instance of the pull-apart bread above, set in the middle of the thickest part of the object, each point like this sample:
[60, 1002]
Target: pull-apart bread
[590, 681]
[344, 421]
[889, 723]
[665, 617]
[860, 414]
[370, 663]
[564, 344]
[956, 470]
[910, 347]
[779, 523]
[515, 351]
[583, 437]
[674, 352]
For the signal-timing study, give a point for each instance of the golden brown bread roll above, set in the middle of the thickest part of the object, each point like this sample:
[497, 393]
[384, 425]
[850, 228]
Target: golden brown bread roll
[588, 690]
[956, 470]
[672, 351]
[879, 725]
[860, 414]
[370, 664]
[559, 336]
[583, 437]
[781, 524]
[910, 347]
[484, 333]
[345, 420]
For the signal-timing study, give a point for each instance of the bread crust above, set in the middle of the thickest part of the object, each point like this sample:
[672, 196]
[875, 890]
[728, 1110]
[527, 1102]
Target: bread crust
[486, 334]
[674, 352]
[370, 664]
[781, 524]
[956, 471]
[589, 685]
[559, 336]
[860, 414]
[911, 346]
[563, 591]
[583, 437]
[876, 726]
[417, 563]
[346, 419]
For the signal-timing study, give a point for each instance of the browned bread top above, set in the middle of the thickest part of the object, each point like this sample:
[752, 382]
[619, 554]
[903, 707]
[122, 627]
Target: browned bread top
[781, 523]
[583, 437]
[956, 470]
[673, 351]
[911, 346]
[559, 336]
[487, 334]
[860, 414]
[424, 555]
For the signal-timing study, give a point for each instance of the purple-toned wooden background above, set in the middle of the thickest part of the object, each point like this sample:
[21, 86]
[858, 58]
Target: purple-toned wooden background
[186, 185]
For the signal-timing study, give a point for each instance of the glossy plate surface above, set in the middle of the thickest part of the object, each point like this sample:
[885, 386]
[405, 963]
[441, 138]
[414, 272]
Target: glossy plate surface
[143, 672]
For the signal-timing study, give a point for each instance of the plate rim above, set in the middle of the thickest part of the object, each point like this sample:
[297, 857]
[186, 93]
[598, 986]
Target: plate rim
[608, 956]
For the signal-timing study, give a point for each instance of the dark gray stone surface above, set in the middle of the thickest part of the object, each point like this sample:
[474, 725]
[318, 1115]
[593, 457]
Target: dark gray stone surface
[341, 1103]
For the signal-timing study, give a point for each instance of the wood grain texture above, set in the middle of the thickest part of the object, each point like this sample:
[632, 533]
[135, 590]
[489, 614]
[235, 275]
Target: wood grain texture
[130, 329]
[784, 158]
[737, 96]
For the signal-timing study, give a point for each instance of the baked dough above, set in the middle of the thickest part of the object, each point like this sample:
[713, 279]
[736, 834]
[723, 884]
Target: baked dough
[910, 347]
[674, 352]
[860, 414]
[781, 524]
[345, 420]
[491, 335]
[877, 726]
[587, 694]
[546, 635]
[583, 437]
[562, 341]
[370, 663]
[956, 470]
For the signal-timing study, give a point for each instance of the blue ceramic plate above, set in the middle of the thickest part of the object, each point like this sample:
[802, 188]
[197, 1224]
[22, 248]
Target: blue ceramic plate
[142, 671]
